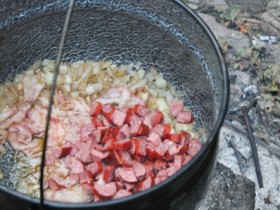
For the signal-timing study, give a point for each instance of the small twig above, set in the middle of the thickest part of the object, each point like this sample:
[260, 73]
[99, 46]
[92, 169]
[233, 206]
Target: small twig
[264, 122]
[265, 144]
[240, 157]
[253, 146]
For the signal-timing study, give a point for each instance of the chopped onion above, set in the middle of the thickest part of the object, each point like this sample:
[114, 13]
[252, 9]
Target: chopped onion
[162, 105]
[183, 127]
[141, 73]
[96, 68]
[74, 94]
[63, 68]
[140, 84]
[49, 78]
[160, 82]
[90, 89]
[66, 88]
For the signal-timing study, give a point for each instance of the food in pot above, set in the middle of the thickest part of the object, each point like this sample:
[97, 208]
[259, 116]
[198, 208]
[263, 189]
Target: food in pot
[115, 130]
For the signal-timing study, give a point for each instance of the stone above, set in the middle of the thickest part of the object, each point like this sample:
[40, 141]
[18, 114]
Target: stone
[229, 191]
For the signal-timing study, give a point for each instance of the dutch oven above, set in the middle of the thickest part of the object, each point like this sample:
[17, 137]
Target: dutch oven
[166, 34]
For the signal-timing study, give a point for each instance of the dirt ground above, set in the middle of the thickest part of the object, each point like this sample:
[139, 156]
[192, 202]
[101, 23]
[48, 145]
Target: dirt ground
[248, 32]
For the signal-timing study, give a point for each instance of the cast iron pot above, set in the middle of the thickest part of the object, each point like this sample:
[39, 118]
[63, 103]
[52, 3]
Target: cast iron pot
[165, 34]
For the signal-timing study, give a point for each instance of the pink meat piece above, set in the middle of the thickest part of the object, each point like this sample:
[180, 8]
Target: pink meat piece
[135, 123]
[126, 174]
[176, 107]
[85, 177]
[154, 137]
[187, 159]
[124, 132]
[159, 129]
[21, 133]
[95, 168]
[49, 158]
[107, 190]
[178, 161]
[96, 135]
[161, 149]
[194, 147]
[160, 164]
[139, 170]
[172, 170]
[184, 117]
[129, 186]
[98, 155]
[86, 132]
[119, 117]
[122, 193]
[76, 166]
[6, 113]
[32, 88]
[162, 174]
[36, 121]
[64, 181]
[145, 184]
[148, 121]
[84, 153]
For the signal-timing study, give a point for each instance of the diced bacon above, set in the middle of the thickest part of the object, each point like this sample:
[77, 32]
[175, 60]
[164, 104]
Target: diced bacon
[122, 193]
[175, 137]
[118, 117]
[184, 117]
[182, 149]
[86, 132]
[155, 138]
[194, 147]
[178, 161]
[162, 174]
[123, 157]
[176, 107]
[143, 130]
[96, 135]
[139, 170]
[97, 123]
[53, 185]
[140, 110]
[160, 150]
[36, 121]
[161, 129]
[85, 177]
[123, 145]
[149, 167]
[129, 113]
[106, 190]
[185, 138]
[160, 164]
[97, 155]
[145, 184]
[186, 159]
[21, 133]
[124, 132]
[151, 151]
[172, 150]
[95, 109]
[95, 168]
[76, 166]
[109, 145]
[6, 113]
[140, 147]
[156, 117]
[127, 174]
[88, 187]
[108, 173]
[135, 123]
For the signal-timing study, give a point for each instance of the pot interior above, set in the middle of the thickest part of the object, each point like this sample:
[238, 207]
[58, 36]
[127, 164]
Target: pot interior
[122, 31]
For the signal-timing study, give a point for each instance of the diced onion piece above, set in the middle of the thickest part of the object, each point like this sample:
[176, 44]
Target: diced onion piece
[139, 84]
[63, 68]
[49, 78]
[74, 94]
[160, 82]
[144, 96]
[141, 74]
[48, 65]
[90, 89]
[98, 86]
[66, 88]
[162, 105]
[36, 65]
[96, 68]
[67, 79]
[75, 85]
[29, 72]
[183, 127]
[168, 96]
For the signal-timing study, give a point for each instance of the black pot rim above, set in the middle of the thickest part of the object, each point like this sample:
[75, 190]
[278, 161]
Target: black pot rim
[205, 147]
